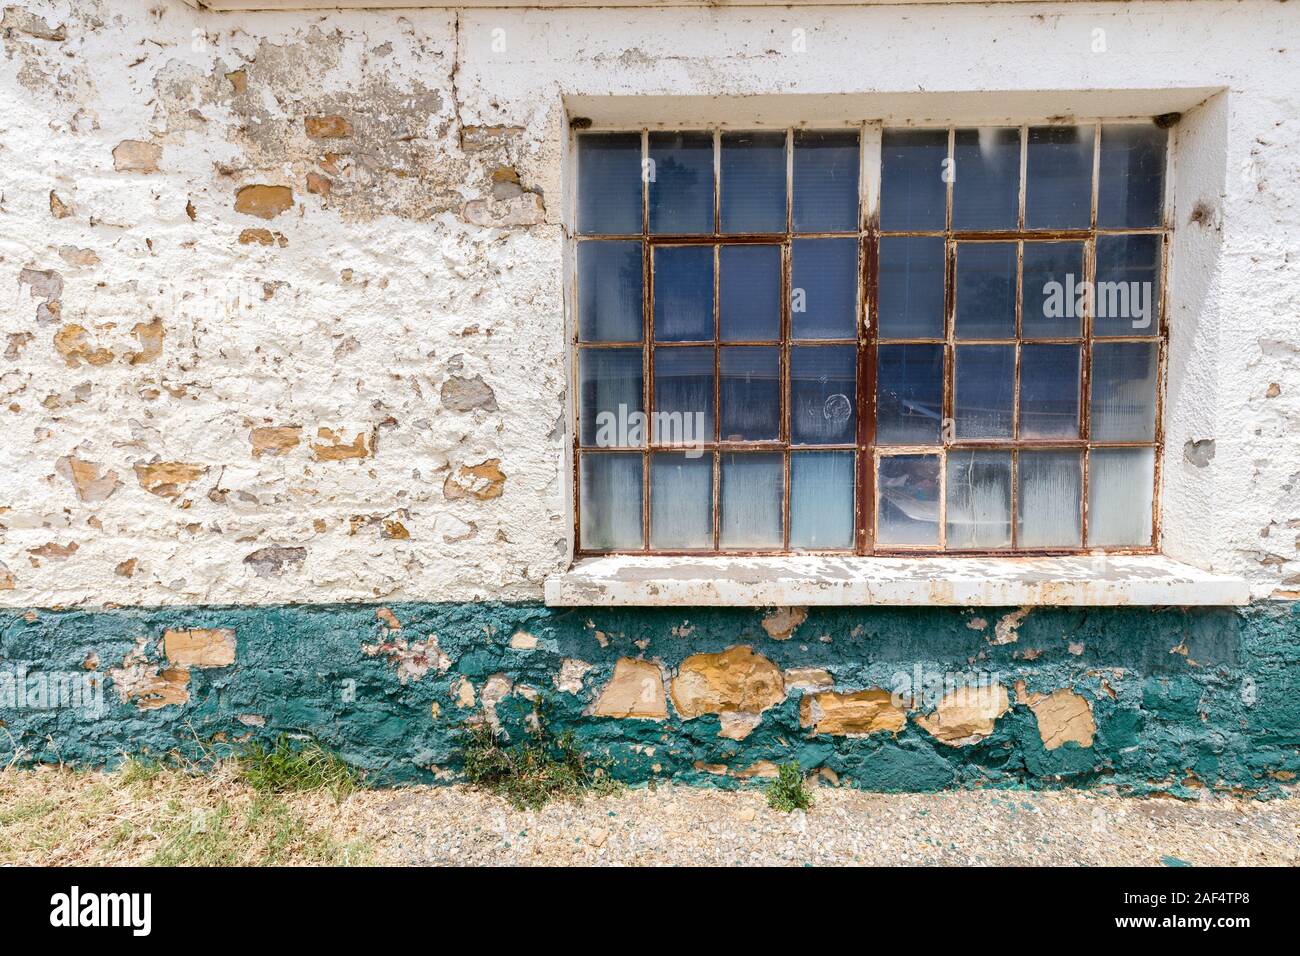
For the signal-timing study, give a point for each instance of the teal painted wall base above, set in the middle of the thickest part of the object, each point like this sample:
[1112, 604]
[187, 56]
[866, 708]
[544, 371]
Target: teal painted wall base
[1177, 700]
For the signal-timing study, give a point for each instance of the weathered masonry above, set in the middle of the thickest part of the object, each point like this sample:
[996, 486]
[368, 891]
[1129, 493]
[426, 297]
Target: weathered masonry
[908, 390]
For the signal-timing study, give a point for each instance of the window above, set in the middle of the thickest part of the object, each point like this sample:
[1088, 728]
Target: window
[763, 365]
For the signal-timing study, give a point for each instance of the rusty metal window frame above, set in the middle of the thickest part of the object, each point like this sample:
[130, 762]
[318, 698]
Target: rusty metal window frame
[867, 450]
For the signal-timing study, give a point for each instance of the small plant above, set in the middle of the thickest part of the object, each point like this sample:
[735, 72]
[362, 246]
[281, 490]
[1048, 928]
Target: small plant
[286, 768]
[787, 792]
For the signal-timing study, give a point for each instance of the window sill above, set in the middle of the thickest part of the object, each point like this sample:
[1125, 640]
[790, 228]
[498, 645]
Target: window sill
[1114, 580]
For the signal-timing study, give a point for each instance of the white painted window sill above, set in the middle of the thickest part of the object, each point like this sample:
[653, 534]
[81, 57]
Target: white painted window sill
[1134, 580]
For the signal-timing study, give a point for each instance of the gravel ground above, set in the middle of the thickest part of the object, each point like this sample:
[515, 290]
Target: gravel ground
[684, 826]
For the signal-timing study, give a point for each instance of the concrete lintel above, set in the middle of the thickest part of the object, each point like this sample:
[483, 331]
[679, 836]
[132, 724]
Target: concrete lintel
[1138, 580]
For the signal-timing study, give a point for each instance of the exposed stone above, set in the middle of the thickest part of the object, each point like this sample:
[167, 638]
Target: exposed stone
[167, 479]
[414, 659]
[319, 185]
[262, 237]
[86, 477]
[482, 481]
[862, 712]
[327, 127]
[200, 647]
[22, 21]
[147, 684]
[525, 209]
[58, 208]
[73, 343]
[78, 257]
[807, 678]
[734, 681]
[274, 440]
[1198, 452]
[45, 284]
[126, 569]
[735, 726]
[333, 447]
[1063, 717]
[135, 156]
[150, 336]
[272, 561]
[635, 691]
[238, 80]
[464, 693]
[762, 769]
[781, 622]
[467, 394]
[6, 578]
[522, 641]
[54, 550]
[569, 678]
[264, 202]
[966, 715]
[394, 530]
[1008, 626]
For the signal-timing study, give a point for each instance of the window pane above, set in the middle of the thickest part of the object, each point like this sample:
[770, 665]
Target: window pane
[1131, 183]
[1049, 391]
[908, 486]
[681, 501]
[979, 499]
[984, 383]
[1051, 288]
[610, 398]
[611, 502]
[824, 288]
[751, 393]
[753, 182]
[749, 293]
[909, 394]
[683, 410]
[986, 189]
[823, 394]
[1058, 177]
[750, 504]
[821, 499]
[986, 290]
[1123, 401]
[1120, 484]
[681, 182]
[911, 287]
[1049, 499]
[826, 181]
[1128, 283]
[913, 194]
[683, 285]
[609, 291]
[609, 173]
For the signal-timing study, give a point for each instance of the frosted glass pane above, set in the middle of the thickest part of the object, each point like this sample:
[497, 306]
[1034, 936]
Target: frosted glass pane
[823, 394]
[908, 486]
[609, 397]
[681, 501]
[986, 188]
[986, 290]
[683, 409]
[909, 394]
[750, 505]
[984, 383]
[979, 499]
[609, 291]
[1123, 392]
[1049, 499]
[749, 293]
[1049, 391]
[824, 288]
[1120, 484]
[753, 182]
[821, 500]
[609, 183]
[751, 393]
[911, 287]
[611, 502]
[1058, 177]
[1050, 289]
[683, 287]
[681, 183]
[1131, 184]
[913, 194]
[826, 167]
[1128, 285]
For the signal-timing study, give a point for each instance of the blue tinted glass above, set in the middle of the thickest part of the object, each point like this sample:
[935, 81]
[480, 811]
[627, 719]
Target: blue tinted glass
[683, 396]
[681, 183]
[909, 394]
[911, 287]
[750, 393]
[750, 500]
[913, 193]
[823, 394]
[1058, 177]
[1052, 288]
[821, 500]
[826, 181]
[1049, 391]
[609, 291]
[1127, 296]
[1131, 183]
[908, 486]
[749, 293]
[986, 188]
[1123, 391]
[985, 381]
[1049, 501]
[753, 182]
[986, 290]
[609, 178]
[979, 499]
[823, 288]
[611, 502]
[681, 501]
[609, 394]
[683, 287]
